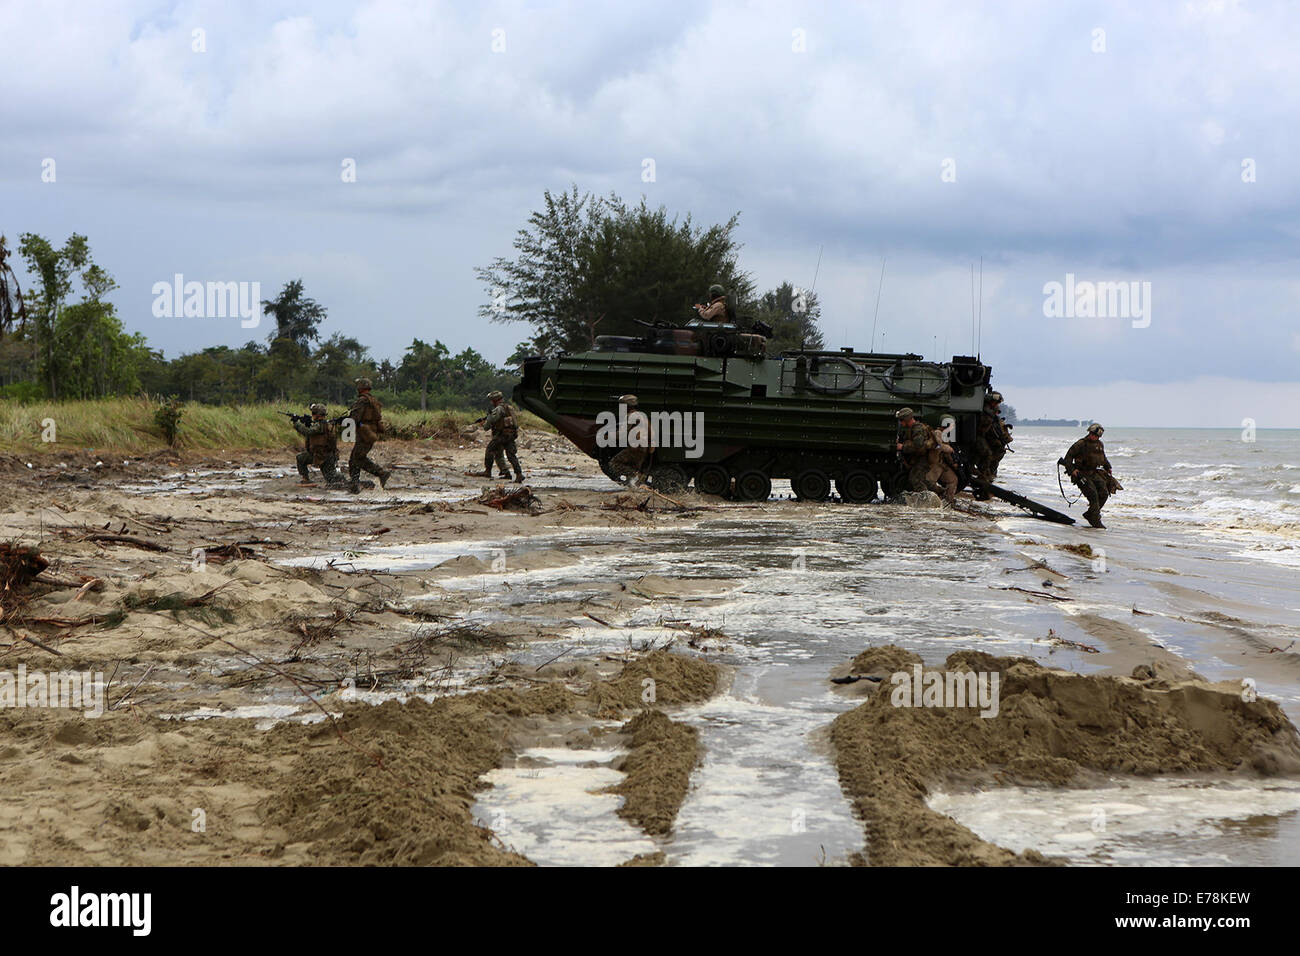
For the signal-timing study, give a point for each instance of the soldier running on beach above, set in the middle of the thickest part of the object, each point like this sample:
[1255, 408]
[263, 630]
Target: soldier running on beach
[503, 424]
[1089, 469]
[322, 447]
[367, 416]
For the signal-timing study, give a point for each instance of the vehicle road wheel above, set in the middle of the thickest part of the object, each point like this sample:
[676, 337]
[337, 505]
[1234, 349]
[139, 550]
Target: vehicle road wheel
[668, 479]
[895, 485]
[811, 486]
[857, 487]
[753, 486]
[713, 480]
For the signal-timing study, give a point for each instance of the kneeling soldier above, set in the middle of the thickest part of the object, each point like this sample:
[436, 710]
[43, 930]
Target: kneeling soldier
[322, 447]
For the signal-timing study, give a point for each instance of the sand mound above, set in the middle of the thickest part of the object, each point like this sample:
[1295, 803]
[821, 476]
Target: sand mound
[885, 659]
[401, 792]
[661, 677]
[1051, 727]
[658, 766]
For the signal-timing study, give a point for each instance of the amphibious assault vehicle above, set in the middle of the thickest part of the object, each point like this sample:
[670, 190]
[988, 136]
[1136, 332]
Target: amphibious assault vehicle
[821, 419]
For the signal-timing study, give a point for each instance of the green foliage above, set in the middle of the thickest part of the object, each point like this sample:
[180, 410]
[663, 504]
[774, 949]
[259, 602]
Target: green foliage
[168, 419]
[296, 316]
[54, 269]
[589, 266]
[793, 315]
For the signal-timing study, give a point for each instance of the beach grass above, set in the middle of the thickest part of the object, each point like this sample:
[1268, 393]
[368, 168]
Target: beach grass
[126, 426]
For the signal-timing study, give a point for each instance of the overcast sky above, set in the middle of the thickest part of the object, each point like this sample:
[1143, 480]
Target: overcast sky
[1149, 143]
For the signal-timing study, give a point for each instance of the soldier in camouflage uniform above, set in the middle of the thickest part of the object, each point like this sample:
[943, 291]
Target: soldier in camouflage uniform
[503, 424]
[367, 417]
[634, 460]
[322, 447]
[718, 309]
[991, 439]
[1089, 469]
[915, 441]
[942, 477]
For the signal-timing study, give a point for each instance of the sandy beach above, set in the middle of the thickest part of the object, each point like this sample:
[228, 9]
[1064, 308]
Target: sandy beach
[298, 676]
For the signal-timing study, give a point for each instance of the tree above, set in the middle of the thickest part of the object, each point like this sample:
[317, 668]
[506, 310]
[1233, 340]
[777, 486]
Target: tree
[424, 363]
[588, 266]
[793, 315]
[296, 317]
[55, 269]
[338, 361]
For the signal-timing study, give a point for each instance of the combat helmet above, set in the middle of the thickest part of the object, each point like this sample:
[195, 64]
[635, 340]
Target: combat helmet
[629, 400]
[1095, 429]
[361, 383]
[994, 397]
[495, 396]
[716, 290]
[904, 413]
[316, 408]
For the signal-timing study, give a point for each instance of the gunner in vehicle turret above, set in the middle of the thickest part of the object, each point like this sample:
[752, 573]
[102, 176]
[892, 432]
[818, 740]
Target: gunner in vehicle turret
[718, 309]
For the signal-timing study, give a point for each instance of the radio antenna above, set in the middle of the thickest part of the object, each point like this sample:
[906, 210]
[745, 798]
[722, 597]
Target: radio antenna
[818, 270]
[879, 287]
[979, 334]
[972, 307]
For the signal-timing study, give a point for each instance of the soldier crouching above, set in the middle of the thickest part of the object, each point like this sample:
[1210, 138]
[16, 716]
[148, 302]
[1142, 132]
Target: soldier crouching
[915, 442]
[633, 461]
[322, 449]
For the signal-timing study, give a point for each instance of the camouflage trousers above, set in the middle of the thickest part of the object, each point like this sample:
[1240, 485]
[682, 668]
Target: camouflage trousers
[987, 457]
[631, 462]
[918, 474]
[360, 461]
[498, 450]
[942, 480]
[328, 466]
[1095, 488]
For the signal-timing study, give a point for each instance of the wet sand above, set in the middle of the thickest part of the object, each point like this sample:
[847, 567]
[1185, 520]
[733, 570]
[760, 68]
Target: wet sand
[244, 684]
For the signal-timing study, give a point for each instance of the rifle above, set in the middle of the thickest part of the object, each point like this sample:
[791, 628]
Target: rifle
[307, 419]
[479, 421]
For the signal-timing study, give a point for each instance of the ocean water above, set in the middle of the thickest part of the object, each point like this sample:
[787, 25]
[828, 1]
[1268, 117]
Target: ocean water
[1233, 490]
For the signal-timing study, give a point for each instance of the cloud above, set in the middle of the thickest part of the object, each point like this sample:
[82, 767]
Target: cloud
[1122, 163]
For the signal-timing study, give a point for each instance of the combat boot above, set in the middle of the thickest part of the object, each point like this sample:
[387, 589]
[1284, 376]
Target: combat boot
[354, 483]
[519, 476]
[1093, 518]
[383, 477]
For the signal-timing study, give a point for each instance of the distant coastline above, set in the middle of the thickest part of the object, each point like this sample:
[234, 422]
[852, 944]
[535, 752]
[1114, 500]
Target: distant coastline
[1054, 422]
